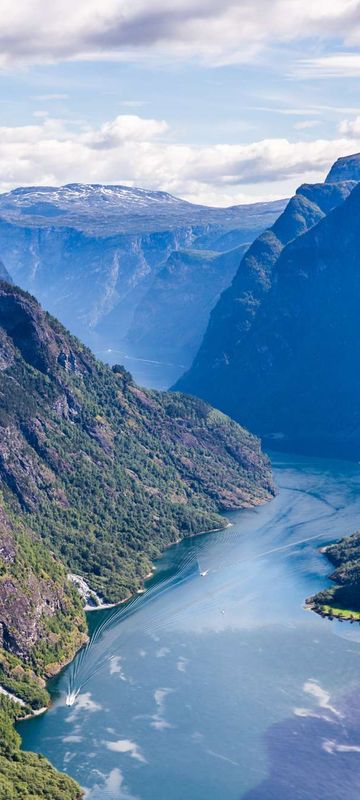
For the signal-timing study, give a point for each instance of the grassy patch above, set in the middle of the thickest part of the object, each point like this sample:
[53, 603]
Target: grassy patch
[343, 613]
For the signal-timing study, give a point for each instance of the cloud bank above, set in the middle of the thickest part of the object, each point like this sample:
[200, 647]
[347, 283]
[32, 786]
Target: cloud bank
[209, 30]
[137, 151]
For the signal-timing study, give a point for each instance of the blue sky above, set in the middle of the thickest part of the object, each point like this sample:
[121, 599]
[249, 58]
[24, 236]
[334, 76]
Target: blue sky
[218, 102]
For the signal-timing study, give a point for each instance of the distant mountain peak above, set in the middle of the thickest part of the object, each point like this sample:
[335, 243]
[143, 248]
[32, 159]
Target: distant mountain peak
[346, 168]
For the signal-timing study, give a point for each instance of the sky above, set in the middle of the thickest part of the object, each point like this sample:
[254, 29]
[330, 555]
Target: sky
[216, 101]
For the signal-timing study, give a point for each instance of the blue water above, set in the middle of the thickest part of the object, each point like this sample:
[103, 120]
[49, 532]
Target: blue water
[225, 686]
[146, 372]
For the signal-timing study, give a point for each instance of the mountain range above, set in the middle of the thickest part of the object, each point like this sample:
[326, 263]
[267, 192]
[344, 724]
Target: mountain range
[95, 256]
[281, 351]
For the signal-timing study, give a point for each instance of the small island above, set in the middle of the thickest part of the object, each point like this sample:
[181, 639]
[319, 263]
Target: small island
[341, 601]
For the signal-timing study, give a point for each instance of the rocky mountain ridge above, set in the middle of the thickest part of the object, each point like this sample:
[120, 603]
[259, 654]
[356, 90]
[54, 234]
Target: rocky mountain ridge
[91, 253]
[281, 348]
[114, 209]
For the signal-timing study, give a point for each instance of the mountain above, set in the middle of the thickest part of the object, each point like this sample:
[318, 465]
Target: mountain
[109, 210]
[90, 253]
[88, 457]
[42, 624]
[281, 350]
[97, 476]
[344, 169]
[171, 318]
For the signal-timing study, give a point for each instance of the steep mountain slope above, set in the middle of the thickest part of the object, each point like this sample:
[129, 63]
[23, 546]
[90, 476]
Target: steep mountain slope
[303, 354]
[90, 253]
[106, 472]
[291, 369]
[42, 624]
[96, 476]
[344, 169]
[172, 317]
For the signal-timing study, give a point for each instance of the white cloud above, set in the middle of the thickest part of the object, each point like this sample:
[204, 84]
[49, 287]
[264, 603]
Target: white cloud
[162, 652]
[158, 721]
[221, 32]
[350, 127]
[181, 664]
[342, 65]
[112, 786]
[330, 746]
[73, 739]
[321, 696]
[306, 124]
[84, 703]
[136, 151]
[126, 746]
[124, 128]
[116, 667]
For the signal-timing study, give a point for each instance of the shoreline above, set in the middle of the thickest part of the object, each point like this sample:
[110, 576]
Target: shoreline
[107, 606]
[332, 613]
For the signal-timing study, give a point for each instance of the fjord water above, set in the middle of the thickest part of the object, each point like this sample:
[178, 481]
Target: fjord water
[226, 687]
[146, 372]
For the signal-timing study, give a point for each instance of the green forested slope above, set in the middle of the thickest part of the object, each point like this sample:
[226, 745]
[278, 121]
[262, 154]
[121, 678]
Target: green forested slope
[96, 477]
[343, 598]
[105, 472]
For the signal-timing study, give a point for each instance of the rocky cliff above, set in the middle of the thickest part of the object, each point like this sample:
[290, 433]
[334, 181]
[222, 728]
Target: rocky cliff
[42, 624]
[172, 316]
[281, 348]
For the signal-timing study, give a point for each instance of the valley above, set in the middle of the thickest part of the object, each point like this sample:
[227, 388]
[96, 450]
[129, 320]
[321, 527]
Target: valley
[109, 261]
[281, 349]
[103, 478]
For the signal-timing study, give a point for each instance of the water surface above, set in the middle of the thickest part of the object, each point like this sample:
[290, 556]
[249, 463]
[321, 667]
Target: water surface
[225, 686]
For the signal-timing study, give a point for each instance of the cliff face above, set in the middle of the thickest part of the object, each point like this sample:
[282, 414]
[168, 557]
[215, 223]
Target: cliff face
[214, 374]
[344, 169]
[36, 595]
[42, 624]
[281, 349]
[105, 472]
[172, 316]
[90, 254]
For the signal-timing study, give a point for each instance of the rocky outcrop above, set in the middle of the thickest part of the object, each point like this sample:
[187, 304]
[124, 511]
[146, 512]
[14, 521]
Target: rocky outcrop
[345, 169]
